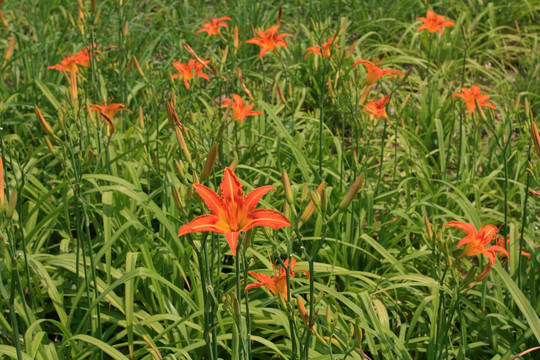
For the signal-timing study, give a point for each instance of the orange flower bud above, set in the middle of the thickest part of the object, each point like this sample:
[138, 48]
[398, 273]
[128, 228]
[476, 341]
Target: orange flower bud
[177, 199]
[287, 187]
[209, 164]
[310, 208]
[353, 190]
[536, 137]
[44, 124]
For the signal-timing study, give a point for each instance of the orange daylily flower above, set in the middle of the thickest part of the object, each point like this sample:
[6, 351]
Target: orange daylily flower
[239, 110]
[212, 27]
[269, 40]
[326, 48]
[500, 241]
[278, 283]
[470, 95]
[232, 212]
[477, 242]
[70, 63]
[374, 72]
[190, 70]
[108, 112]
[434, 22]
[377, 109]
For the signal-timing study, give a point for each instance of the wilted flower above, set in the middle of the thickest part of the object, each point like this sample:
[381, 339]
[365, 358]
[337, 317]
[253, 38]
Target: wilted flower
[470, 97]
[268, 40]
[232, 212]
[239, 110]
[277, 284]
[190, 70]
[434, 22]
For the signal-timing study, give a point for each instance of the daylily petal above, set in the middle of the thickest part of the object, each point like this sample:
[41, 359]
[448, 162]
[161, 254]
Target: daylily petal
[253, 197]
[266, 217]
[232, 240]
[468, 228]
[201, 223]
[231, 188]
[211, 199]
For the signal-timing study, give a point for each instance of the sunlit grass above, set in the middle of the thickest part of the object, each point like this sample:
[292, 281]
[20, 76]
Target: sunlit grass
[92, 201]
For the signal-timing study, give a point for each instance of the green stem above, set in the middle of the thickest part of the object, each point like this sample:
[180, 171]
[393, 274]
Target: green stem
[381, 158]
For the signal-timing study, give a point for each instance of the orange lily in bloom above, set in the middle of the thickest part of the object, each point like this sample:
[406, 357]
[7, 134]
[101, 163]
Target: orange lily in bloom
[108, 112]
[434, 22]
[377, 109]
[278, 283]
[477, 242]
[268, 40]
[470, 95]
[70, 63]
[212, 27]
[374, 72]
[239, 110]
[190, 70]
[326, 49]
[232, 212]
[500, 241]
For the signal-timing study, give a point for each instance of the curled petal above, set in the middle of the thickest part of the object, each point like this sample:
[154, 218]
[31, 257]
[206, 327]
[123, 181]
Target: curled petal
[468, 228]
[201, 223]
[265, 217]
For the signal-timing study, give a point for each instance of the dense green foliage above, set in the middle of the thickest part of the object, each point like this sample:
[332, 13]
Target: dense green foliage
[91, 265]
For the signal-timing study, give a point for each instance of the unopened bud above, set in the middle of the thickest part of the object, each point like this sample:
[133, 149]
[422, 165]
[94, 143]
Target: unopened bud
[235, 38]
[11, 204]
[233, 164]
[302, 310]
[310, 208]
[50, 145]
[247, 239]
[287, 187]
[328, 316]
[304, 193]
[44, 124]
[209, 163]
[353, 190]
[536, 137]
[280, 93]
[141, 118]
[179, 169]
[176, 198]
[89, 155]
[182, 144]
[428, 227]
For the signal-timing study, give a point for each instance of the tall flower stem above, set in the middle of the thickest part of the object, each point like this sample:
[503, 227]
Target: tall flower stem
[321, 117]
[381, 158]
[429, 78]
[241, 350]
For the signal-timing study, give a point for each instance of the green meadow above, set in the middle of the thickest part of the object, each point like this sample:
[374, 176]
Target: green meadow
[269, 180]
